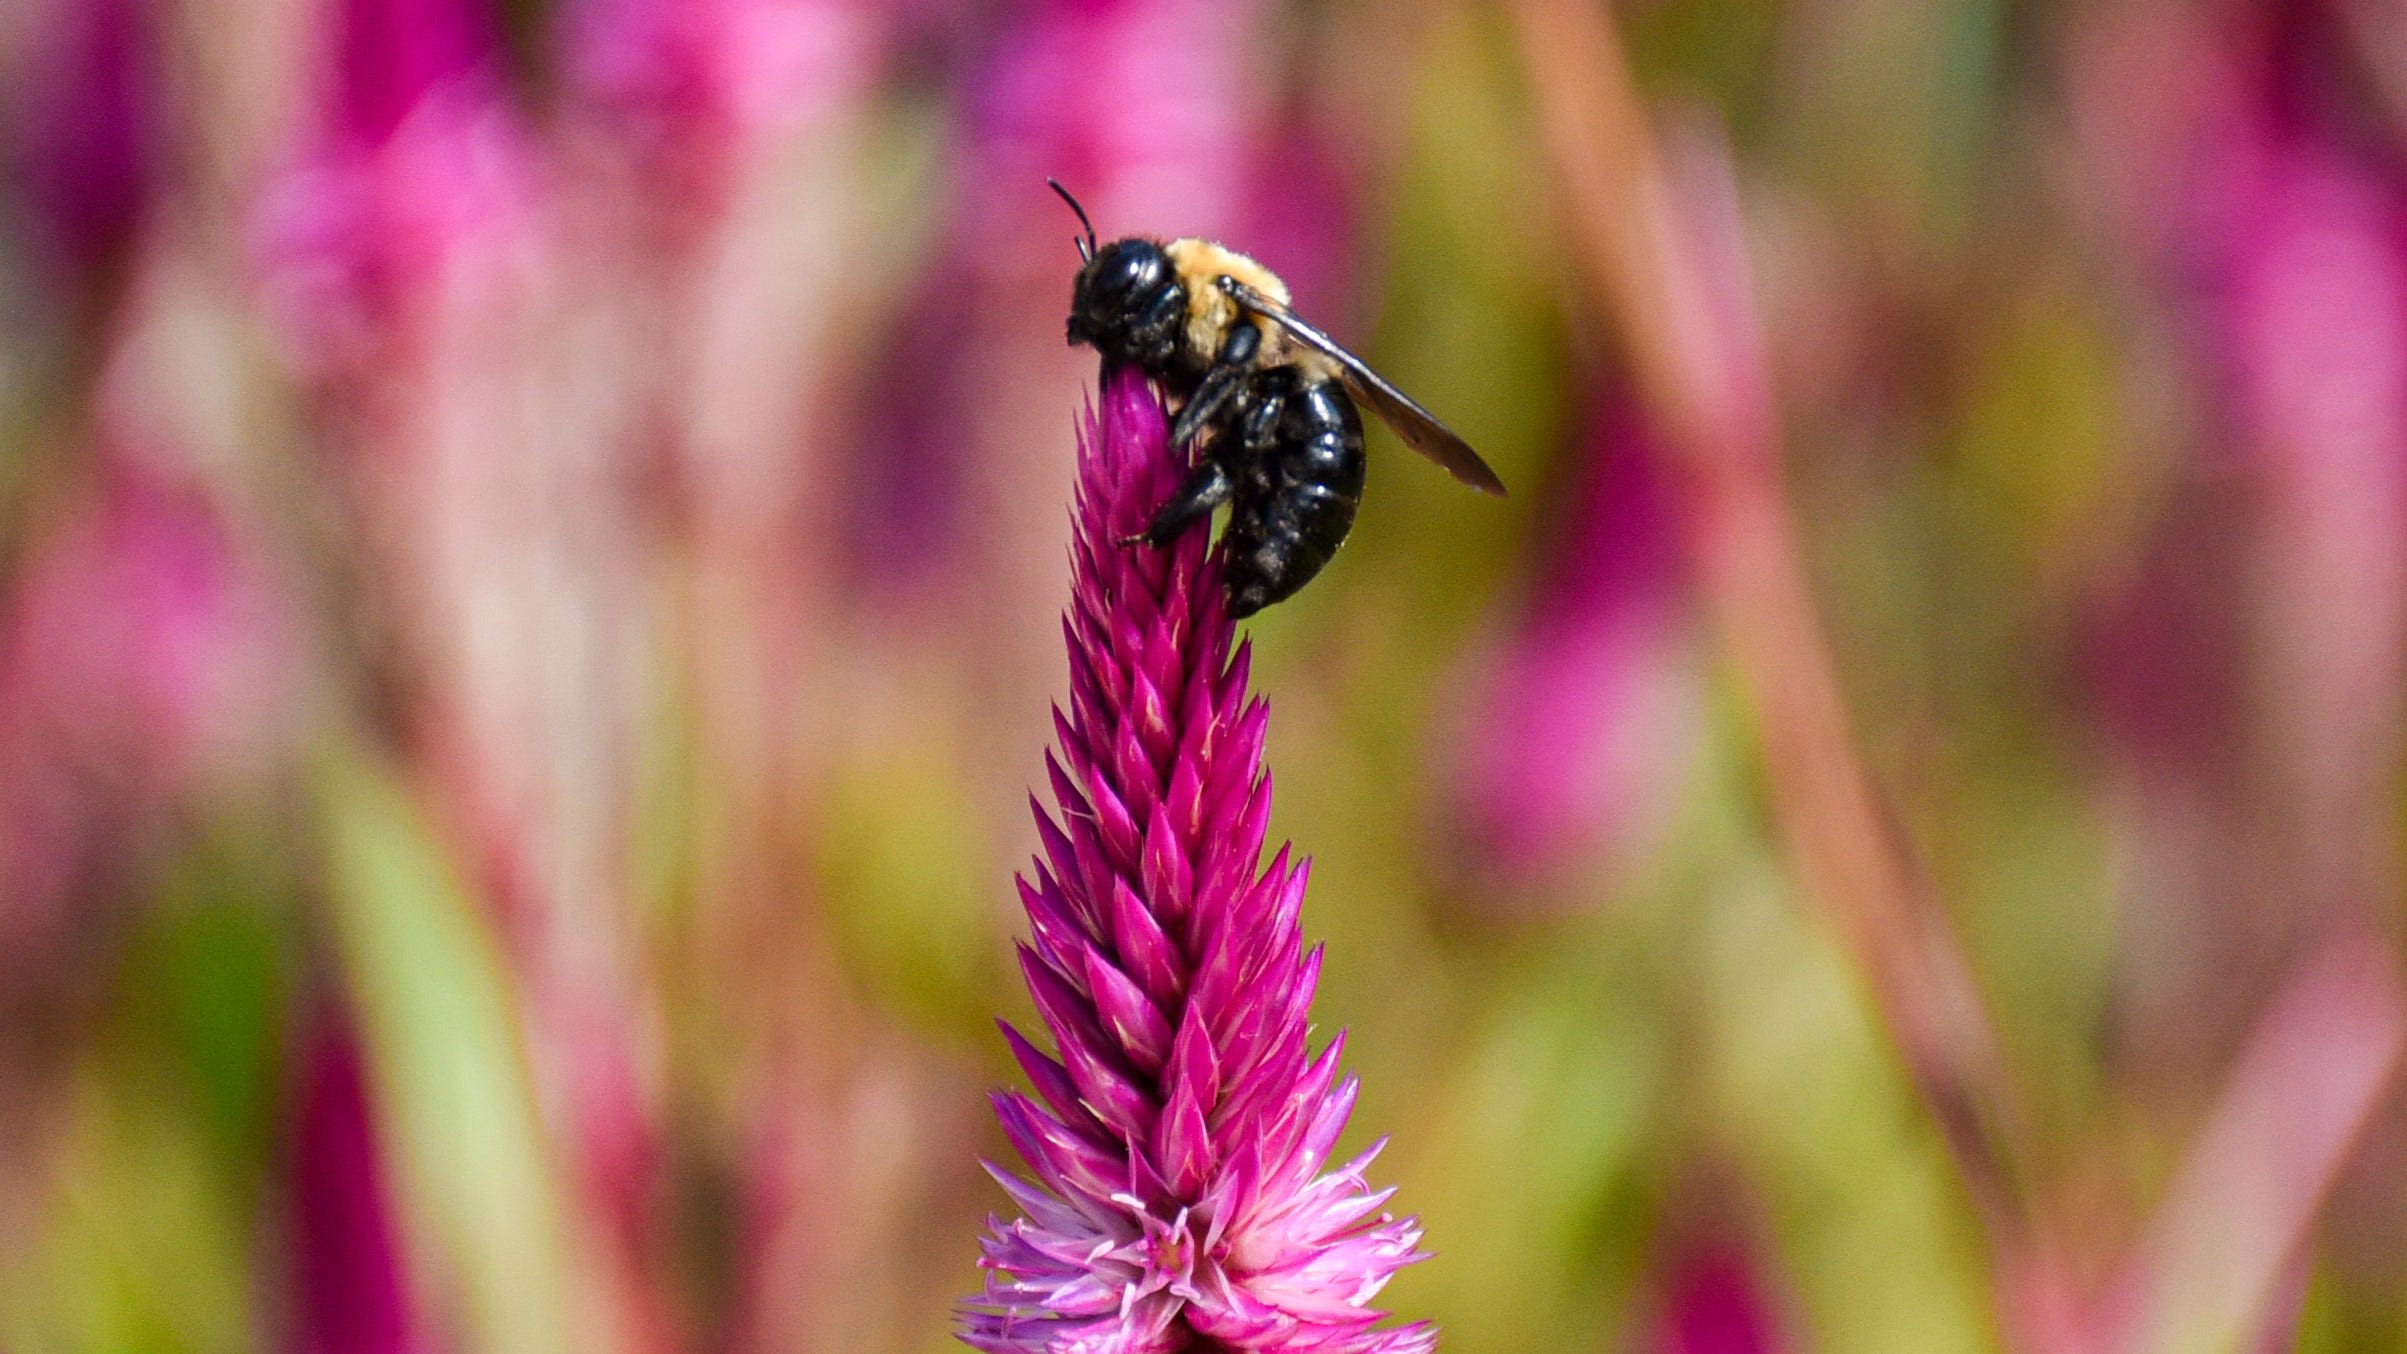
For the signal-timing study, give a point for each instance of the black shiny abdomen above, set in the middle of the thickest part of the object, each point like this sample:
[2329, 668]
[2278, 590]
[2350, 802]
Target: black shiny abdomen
[1293, 450]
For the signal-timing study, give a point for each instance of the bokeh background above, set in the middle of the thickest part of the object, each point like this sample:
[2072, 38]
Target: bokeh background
[531, 535]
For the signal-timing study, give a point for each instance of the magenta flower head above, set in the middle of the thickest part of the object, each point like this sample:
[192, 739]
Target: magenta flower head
[1178, 1145]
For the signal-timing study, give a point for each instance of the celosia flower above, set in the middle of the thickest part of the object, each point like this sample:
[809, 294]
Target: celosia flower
[1179, 1141]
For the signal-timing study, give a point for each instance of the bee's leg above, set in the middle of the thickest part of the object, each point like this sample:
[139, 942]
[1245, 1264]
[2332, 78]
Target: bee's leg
[1223, 381]
[1211, 396]
[1207, 487]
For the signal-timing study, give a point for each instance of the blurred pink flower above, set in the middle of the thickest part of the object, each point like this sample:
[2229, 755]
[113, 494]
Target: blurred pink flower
[1578, 726]
[417, 151]
[2253, 674]
[1081, 90]
[350, 1292]
[81, 122]
[138, 654]
[422, 253]
[2316, 323]
[700, 85]
[393, 57]
[1714, 1303]
[1178, 1143]
[2248, 675]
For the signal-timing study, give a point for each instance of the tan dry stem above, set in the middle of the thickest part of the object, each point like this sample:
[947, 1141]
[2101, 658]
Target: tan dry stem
[1668, 275]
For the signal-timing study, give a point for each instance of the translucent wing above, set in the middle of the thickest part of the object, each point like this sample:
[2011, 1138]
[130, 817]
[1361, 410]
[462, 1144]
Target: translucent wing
[1417, 426]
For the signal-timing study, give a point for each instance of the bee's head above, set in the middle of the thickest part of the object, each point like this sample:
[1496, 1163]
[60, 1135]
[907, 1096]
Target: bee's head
[1128, 302]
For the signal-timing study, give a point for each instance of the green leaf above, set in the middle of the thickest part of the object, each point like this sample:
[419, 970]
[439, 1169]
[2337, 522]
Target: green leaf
[447, 1069]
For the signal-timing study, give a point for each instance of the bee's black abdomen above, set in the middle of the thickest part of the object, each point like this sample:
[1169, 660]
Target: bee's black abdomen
[1299, 472]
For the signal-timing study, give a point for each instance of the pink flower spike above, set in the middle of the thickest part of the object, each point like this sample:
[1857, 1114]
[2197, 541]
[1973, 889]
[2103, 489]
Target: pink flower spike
[1176, 1196]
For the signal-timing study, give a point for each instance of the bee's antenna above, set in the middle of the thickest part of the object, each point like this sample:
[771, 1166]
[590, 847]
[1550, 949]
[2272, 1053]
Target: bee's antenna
[1086, 247]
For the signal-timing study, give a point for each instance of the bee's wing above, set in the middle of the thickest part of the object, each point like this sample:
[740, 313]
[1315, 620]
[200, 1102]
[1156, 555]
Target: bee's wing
[1417, 426]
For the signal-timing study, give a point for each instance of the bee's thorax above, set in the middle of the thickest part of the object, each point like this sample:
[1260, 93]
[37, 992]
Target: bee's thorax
[1210, 310]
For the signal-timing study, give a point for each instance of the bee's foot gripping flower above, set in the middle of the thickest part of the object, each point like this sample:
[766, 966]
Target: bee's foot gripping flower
[1181, 1196]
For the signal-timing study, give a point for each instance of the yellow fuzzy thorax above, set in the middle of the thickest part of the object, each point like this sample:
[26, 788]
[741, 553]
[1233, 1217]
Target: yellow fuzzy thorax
[1210, 312]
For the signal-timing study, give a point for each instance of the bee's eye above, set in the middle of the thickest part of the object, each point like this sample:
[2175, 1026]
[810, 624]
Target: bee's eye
[1126, 270]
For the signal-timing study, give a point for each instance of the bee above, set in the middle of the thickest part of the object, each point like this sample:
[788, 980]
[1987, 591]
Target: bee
[1272, 397]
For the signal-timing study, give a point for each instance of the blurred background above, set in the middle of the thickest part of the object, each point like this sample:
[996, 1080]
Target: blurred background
[531, 535]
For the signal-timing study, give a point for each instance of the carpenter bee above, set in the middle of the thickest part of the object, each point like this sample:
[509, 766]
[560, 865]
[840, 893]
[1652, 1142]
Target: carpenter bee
[1272, 397]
